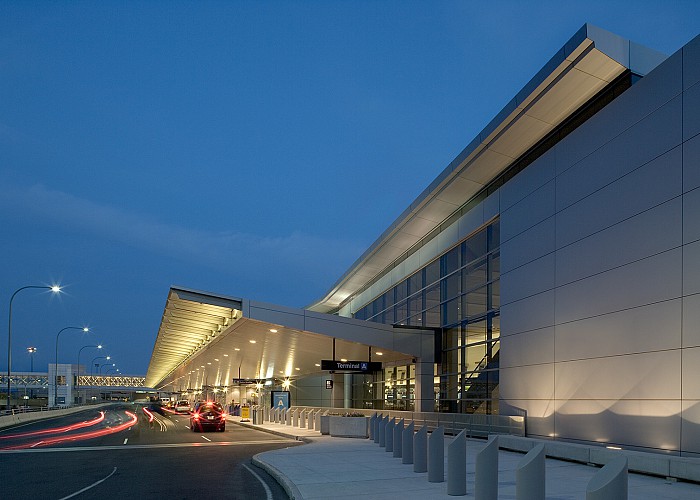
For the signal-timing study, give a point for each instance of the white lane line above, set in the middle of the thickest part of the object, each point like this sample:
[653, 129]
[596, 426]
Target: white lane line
[91, 486]
[36, 444]
[187, 427]
[267, 488]
[204, 437]
[126, 440]
[146, 446]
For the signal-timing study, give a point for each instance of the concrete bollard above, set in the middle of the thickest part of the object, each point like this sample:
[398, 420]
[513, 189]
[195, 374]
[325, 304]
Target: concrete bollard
[436, 455]
[317, 421]
[377, 423]
[310, 420]
[407, 444]
[398, 441]
[302, 419]
[610, 482]
[529, 475]
[486, 477]
[389, 435]
[420, 450]
[382, 432]
[457, 465]
[289, 416]
[295, 418]
[372, 419]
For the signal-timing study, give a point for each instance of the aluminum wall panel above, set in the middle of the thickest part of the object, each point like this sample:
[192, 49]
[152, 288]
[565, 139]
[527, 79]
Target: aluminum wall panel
[650, 280]
[690, 434]
[525, 182]
[654, 183]
[530, 279]
[517, 382]
[649, 328]
[528, 246]
[691, 118]
[540, 415]
[531, 313]
[691, 63]
[691, 164]
[528, 348]
[645, 423]
[633, 376]
[691, 380]
[531, 210]
[622, 243]
[691, 268]
[691, 321]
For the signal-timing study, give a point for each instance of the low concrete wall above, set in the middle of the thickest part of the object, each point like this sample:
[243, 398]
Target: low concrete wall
[355, 427]
[21, 418]
[687, 469]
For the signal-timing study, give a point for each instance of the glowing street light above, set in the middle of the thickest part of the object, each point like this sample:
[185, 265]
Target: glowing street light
[54, 289]
[55, 375]
[78, 379]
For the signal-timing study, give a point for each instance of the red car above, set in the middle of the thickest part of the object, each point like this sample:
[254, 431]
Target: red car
[208, 415]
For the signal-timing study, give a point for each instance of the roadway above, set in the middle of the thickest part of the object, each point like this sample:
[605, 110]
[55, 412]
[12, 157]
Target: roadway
[122, 452]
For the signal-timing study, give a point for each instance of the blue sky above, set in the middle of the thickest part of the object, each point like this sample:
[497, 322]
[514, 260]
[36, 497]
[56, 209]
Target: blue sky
[253, 149]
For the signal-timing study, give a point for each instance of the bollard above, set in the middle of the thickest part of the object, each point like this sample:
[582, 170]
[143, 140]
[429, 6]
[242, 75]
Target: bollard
[289, 416]
[317, 421]
[436, 455]
[295, 418]
[302, 419]
[529, 475]
[457, 465]
[486, 477]
[310, 423]
[398, 441]
[610, 482]
[372, 419]
[407, 445]
[420, 450]
[389, 435]
[382, 432]
[377, 423]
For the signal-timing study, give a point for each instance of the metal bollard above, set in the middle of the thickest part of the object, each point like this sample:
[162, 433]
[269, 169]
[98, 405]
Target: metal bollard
[436, 455]
[382, 431]
[372, 419]
[530, 475]
[486, 477]
[610, 482]
[398, 441]
[420, 450]
[389, 435]
[407, 444]
[457, 465]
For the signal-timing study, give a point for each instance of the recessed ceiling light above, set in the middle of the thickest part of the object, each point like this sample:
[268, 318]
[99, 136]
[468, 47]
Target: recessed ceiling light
[252, 341]
[297, 369]
[317, 364]
[225, 355]
[379, 353]
[273, 330]
[236, 349]
[208, 363]
[216, 359]
[343, 360]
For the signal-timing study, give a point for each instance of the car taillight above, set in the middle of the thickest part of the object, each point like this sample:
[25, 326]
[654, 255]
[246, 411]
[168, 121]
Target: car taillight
[196, 416]
[223, 416]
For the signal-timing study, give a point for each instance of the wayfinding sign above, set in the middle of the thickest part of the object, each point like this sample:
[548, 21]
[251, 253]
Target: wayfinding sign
[350, 366]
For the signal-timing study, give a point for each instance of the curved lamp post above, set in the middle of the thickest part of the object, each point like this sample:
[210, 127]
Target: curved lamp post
[54, 289]
[92, 363]
[55, 375]
[105, 364]
[81, 350]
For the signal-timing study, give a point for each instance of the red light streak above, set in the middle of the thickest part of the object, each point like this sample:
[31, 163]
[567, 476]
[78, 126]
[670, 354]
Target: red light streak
[81, 436]
[58, 430]
[150, 415]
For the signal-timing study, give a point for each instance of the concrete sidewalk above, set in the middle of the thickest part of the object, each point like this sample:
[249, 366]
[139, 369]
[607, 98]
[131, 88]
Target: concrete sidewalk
[346, 468]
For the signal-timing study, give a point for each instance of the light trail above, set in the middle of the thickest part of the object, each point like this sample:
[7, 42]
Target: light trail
[81, 436]
[57, 430]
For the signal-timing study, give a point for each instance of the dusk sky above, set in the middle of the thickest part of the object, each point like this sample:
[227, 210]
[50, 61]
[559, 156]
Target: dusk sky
[247, 148]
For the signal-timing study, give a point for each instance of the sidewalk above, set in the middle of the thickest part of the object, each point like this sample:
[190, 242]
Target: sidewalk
[346, 468]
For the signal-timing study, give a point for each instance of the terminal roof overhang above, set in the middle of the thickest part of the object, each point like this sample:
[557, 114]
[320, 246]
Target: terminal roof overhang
[205, 339]
[586, 64]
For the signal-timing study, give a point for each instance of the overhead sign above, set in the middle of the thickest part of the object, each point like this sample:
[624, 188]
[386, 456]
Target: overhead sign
[280, 399]
[350, 366]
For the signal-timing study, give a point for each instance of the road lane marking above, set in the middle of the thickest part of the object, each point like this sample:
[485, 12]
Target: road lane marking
[197, 444]
[126, 440]
[36, 444]
[91, 486]
[267, 488]
[187, 426]
[204, 437]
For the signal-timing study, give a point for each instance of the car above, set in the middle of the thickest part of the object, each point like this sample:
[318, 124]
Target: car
[208, 415]
[182, 406]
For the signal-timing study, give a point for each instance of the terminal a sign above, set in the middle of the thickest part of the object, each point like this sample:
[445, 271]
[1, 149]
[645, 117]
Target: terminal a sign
[350, 366]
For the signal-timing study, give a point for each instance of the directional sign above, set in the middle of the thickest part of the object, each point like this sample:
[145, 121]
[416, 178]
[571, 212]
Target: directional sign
[350, 366]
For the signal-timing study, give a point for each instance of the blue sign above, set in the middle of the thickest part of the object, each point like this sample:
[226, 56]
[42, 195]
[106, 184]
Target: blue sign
[280, 399]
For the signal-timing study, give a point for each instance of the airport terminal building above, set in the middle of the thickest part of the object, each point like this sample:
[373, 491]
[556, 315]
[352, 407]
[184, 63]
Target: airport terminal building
[552, 270]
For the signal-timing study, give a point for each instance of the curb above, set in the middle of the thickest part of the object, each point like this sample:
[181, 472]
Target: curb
[287, 485]
[304, 439]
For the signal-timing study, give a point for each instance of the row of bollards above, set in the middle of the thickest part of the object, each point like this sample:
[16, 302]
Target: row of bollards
[427, 454]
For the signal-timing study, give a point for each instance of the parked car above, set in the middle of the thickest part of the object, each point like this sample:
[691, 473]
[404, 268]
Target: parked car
[208, 415]
[182, 406]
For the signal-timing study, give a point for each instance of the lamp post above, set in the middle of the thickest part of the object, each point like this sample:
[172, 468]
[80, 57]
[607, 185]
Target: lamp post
[54, 289]
[105, 364]
[55, 378]
[96, 365]
[78, 380]
[31, 351]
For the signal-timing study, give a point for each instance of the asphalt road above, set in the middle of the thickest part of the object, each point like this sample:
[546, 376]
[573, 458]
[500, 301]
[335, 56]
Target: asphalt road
[123, 455]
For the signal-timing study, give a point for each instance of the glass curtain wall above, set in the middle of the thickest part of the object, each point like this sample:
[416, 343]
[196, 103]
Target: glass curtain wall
[459, 294]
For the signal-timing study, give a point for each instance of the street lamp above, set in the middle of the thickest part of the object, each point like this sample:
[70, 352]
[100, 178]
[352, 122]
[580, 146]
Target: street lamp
[55, 378]
[81, 350]
[96, 365]
[54, 289]
[105, 364]
[31, 351]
